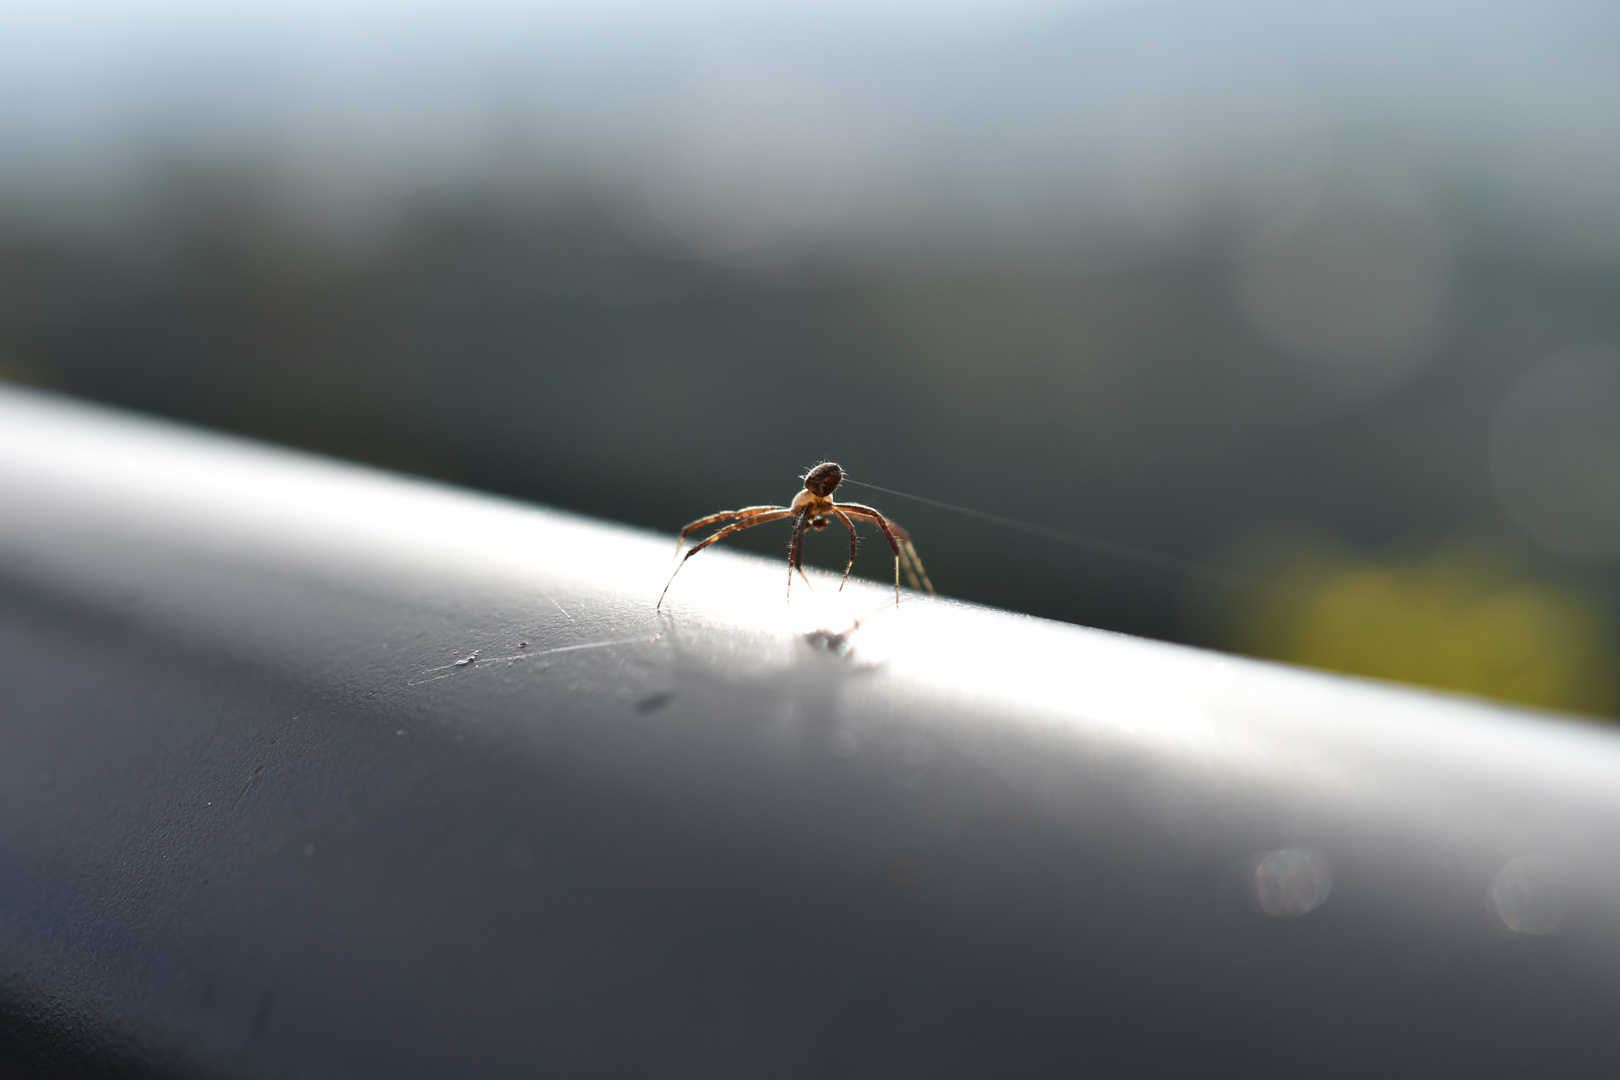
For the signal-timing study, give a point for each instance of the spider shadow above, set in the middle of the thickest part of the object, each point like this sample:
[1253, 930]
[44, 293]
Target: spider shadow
[843, 645]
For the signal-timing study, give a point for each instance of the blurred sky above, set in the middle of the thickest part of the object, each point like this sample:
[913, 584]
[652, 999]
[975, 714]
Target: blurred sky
[751, 128]
[1327, 295]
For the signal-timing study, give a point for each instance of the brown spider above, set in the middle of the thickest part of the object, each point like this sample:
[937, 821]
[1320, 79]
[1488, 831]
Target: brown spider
[813, 508]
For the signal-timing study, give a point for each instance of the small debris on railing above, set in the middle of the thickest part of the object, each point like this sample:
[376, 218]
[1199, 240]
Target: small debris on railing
[473, 659]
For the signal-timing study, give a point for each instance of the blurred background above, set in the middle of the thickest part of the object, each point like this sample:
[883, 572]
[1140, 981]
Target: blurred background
[1316, 304]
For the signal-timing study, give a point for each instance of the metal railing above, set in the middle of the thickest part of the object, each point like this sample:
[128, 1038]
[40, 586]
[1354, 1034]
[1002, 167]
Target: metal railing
[309, 770]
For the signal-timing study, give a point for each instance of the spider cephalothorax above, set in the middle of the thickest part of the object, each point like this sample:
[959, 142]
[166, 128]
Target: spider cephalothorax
[813, 508]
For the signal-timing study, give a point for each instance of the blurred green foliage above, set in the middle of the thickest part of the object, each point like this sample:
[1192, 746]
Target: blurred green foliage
[1461, 617]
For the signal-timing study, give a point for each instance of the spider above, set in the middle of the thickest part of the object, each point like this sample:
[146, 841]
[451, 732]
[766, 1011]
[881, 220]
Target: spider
[813, 508]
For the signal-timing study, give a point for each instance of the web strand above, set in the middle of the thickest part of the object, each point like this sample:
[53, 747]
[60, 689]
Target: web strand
[1091, 543]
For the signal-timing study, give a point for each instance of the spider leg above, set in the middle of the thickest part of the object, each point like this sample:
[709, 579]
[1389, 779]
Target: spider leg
[906, 554]
[745, 512]
[907, 568]
[866, 513]
[758, 519]
[800, 523]
[905, 543]
[907, 558]
[850, 525]
[910, 562]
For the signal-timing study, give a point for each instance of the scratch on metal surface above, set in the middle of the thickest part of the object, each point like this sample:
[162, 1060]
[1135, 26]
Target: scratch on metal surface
[562, 609]
[248, 784]
[473, 660]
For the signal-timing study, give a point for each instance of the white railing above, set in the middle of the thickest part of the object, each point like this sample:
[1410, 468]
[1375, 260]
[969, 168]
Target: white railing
[311, 769]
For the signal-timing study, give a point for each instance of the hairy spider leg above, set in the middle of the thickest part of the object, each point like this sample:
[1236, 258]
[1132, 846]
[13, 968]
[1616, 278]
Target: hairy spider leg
[911, 553]
[758, 519]
[745, 512]
[910, 571]
[800, 523]
[850, 525]
[753, 515]
[866, 513]
[906, 554]
[910, 561]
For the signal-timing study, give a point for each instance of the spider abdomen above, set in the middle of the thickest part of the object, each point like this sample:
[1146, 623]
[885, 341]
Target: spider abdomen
[824, 479]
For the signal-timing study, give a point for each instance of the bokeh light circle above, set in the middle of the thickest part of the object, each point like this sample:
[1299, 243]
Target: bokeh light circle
[1360, 293]
[1531, 895]
[1219, 162]
[1292, 882]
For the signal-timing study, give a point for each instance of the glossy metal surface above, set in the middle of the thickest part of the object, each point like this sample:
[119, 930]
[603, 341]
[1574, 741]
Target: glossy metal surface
[262, 815]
